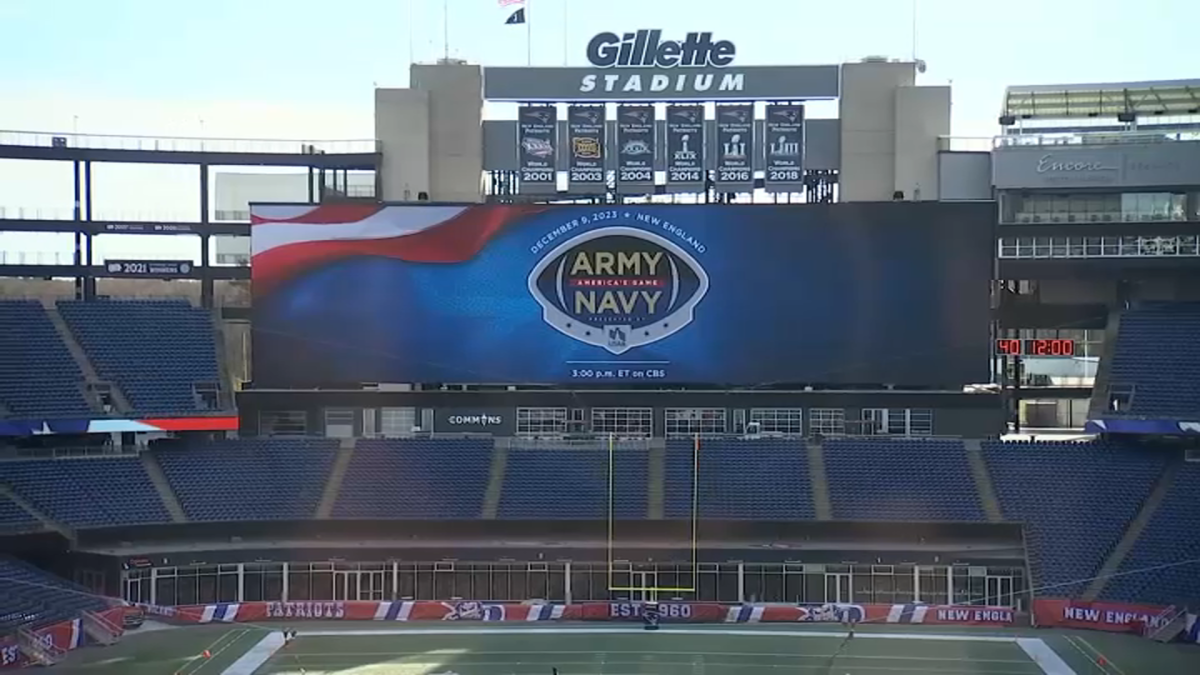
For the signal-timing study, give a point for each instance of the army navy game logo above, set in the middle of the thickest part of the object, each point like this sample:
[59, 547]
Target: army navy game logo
[620, 287]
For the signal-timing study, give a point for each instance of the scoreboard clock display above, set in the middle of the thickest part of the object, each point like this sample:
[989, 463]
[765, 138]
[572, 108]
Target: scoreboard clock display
[1032, 347]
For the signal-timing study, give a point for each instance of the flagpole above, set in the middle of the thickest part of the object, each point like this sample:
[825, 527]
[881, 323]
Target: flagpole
[446, 29]
[528, 33]
[914, 30]
[411, 48]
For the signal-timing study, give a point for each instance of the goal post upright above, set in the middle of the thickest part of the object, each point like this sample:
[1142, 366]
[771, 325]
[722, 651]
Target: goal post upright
[693, 545]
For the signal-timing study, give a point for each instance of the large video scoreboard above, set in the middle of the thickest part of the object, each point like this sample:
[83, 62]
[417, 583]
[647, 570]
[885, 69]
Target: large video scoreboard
[892, 292]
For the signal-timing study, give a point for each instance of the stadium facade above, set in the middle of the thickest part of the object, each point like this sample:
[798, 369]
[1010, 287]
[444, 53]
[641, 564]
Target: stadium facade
[661, 337]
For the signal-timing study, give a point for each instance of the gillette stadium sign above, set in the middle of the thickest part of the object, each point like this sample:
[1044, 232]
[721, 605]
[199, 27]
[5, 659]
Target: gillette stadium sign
[650, 65]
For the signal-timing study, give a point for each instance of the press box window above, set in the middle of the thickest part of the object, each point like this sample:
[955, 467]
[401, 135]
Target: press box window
[785, 421]
[827, 421]
[693, 421]
[541, 421]
[624, 422]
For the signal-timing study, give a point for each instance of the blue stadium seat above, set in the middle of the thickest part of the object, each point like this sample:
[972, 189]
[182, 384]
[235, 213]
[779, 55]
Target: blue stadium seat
[1076, 501]
[738, 479]
[418, 478]
[38, 376]
[1163, 567]
[250, 479]
[567, 482]
[14, 519]
[31, 598]
[88, 491]
[901, 479]
[154, 350]
[1157, 353]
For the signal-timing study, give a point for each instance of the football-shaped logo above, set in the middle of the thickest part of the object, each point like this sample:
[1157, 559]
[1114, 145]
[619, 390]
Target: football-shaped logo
[618, 287]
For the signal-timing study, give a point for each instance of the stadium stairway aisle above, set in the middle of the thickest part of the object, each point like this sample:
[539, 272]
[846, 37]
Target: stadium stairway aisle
[1132, 533]
[14, 517]
[82, 492]
[1075, 500]
[38, 377]
[157, 351]
[250, 479]
[495, 487]
[31, 598]
[1157, 357]
[1098, 406]
[820, 481]
[120, 403]
[983, 480]
[163, 486]
[333, 486]
[1162, 568]
[655, 477]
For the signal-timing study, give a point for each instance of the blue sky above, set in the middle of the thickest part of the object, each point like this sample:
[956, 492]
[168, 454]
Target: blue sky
[306, 68]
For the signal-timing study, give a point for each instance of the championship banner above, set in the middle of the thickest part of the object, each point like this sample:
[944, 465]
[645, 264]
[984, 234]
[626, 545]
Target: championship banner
[735, 148]
[536, 140]
[1112, 617]
[585, 142]
[635, 149]
[685, 148]
[784, 131]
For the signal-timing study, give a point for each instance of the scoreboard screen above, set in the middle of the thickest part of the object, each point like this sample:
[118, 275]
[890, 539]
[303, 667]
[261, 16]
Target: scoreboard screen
[1035, 347]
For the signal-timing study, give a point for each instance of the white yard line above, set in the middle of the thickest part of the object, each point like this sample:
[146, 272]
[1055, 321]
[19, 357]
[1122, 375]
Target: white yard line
[933, 637]
[257, 655]
[1095, 651]
[197, 663]
[1046, 658]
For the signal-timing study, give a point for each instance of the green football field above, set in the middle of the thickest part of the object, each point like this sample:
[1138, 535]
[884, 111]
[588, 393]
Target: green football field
[371, 648]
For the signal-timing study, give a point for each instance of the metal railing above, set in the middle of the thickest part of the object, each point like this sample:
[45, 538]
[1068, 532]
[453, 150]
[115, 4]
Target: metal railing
[13, 454]
[101, 214]
[988, 143]
[50, 139]
[1097, 138]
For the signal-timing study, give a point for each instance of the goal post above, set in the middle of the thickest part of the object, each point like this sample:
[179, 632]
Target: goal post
[645, 582]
